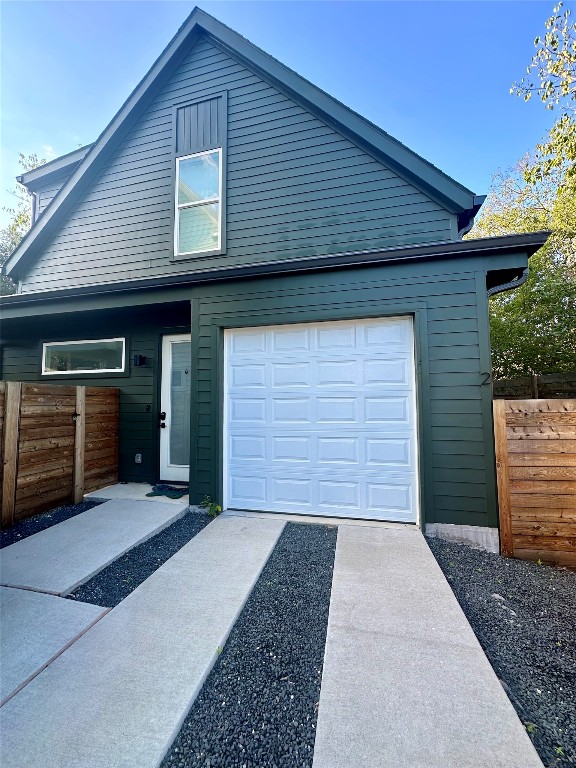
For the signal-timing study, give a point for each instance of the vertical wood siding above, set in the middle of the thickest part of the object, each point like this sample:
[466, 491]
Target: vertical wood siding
[200, 126]
[296, 188]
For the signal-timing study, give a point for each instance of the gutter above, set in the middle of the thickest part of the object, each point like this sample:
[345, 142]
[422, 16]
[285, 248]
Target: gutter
[466, 218]
[509, 286]
[525, 243]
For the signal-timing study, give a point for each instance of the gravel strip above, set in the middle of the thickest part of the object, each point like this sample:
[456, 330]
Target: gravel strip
[258, 707]
[117, 580]
[40, 522]
[524, 616]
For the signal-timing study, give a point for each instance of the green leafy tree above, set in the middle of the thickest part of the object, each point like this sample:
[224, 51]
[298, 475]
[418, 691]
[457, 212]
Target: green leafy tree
[532, 328]
[19, 222]
[551, 76]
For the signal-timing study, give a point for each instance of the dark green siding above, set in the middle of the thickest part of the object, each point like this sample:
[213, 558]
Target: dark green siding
[46, 194]
[457, 466]
[21, 360]
[295, 188]
[447, 299]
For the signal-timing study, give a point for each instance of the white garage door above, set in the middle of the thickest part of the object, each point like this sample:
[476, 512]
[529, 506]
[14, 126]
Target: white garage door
[320, 418]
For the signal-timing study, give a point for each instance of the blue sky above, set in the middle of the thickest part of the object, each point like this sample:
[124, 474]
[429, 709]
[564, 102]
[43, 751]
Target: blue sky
[435, 75]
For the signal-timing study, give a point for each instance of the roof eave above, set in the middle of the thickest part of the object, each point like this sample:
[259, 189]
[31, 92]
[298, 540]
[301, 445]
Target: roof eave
[38, 177]
[526, 244]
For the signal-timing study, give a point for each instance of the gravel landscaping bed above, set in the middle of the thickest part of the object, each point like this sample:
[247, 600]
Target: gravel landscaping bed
[258, 707]
[524, 616]
[42, 521]
[121, 577]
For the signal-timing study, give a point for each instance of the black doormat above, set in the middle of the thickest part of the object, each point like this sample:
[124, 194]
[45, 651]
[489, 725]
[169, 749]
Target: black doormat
[171, 491]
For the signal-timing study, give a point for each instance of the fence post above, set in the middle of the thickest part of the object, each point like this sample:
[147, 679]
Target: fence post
[534, 386]
[11, 438]
[79, 440]
[503, 477]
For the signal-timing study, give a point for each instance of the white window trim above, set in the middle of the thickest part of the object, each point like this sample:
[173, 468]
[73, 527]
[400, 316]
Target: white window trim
[77, 371]
[179, 207]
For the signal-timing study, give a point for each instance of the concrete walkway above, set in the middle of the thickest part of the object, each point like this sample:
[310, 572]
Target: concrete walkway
[118, 696]
[34, 629]
[66, 555]
[405, 682]
[134, 491]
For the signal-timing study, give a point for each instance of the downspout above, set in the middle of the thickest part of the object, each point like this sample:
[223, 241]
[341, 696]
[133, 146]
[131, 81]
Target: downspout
[516, 283]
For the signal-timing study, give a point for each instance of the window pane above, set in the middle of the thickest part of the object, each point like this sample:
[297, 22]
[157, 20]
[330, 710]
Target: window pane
[198, 228]
[198, 178]
[94, 356]
[180, 403]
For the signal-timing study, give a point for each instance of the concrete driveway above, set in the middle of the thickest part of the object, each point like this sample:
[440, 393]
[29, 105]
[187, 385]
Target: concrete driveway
[405, 682]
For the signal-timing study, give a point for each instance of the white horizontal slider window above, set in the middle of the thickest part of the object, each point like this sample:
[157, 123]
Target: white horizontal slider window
[198, 203]
[93, 356]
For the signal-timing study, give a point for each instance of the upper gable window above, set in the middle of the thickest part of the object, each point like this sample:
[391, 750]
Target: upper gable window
[198, 203]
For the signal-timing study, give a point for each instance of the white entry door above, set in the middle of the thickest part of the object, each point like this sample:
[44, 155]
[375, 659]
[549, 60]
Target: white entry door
[175, 408]
[320, 418]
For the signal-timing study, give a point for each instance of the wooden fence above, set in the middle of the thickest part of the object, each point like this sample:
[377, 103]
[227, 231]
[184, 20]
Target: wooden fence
[549, 385]
[57, 442]
[536, 463]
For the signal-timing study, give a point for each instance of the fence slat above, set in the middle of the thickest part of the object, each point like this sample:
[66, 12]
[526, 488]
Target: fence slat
[502, 470]
[556, 385]
[48, 457]
[79, 447]
[11, 433]
[539, 487]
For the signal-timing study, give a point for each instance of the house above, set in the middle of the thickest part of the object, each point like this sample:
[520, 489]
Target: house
[279, 289]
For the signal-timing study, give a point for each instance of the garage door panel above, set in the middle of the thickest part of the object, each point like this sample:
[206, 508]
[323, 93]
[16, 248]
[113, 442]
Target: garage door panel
[248, 490]
[299, 410]
[321, 419]
[290, 339]
[393, 332]
[336, 338]
[248, 340]
[251, 410]
[341, 373]
[352, 497]
[245, 376]
[296, 374]
[340, 450]
[290, 448]
[387, 410]
[345, 372]
[385, 372]
[390, 453]
[291, 490]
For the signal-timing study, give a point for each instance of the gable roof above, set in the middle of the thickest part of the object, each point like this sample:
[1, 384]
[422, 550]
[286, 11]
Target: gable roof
[441, 187]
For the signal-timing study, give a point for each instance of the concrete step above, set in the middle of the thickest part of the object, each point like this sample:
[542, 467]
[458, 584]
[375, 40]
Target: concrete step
[62, 557]
[118, 696]
[405, 682]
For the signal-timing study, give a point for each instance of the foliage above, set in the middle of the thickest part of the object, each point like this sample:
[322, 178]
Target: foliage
[210, 506]
[532, 327]
[552, 77]
[20, 221]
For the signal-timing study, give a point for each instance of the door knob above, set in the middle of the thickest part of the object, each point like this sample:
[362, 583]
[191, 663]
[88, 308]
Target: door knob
[162, 420]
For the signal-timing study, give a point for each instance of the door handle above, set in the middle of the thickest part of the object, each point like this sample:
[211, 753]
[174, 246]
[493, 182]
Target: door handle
[163, 420]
